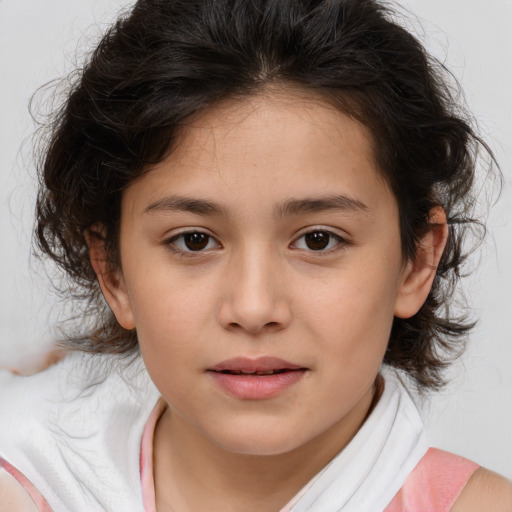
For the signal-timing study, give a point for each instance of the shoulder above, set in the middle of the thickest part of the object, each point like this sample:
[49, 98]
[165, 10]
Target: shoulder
[434, 484]
[13, 496]
[485, 490]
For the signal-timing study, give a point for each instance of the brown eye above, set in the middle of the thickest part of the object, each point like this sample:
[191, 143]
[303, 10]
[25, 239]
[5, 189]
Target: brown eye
[193, 241]
[317, 240]
[320, 241]
[196, 241]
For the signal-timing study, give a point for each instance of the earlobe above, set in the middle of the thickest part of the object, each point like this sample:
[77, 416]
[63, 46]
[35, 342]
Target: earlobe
[419, 273]
[111, 281]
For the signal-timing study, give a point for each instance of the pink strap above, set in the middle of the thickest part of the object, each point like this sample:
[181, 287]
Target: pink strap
[434, 484]
[35, 495]
[146, 458]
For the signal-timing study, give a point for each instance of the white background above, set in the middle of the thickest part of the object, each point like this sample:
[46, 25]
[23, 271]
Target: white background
[39, 41]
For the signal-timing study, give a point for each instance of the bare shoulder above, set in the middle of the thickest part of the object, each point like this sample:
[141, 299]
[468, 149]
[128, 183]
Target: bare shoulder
[13, 496]
[487, 491]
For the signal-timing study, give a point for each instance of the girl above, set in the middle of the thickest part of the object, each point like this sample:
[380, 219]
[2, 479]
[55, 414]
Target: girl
[263, 204]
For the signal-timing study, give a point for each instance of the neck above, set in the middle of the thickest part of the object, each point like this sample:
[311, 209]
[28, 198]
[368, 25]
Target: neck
[194, 474]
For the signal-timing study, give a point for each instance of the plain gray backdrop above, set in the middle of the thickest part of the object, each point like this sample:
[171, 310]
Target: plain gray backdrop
[39, 41]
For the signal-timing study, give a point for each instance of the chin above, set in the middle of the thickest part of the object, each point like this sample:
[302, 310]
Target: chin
[261, 442]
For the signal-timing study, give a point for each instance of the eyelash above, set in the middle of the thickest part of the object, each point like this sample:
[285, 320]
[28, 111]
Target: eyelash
[171, 243]
[187, 252]
[340, 241]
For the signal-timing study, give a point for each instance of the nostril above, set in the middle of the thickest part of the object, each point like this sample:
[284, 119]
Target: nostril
[256, 328]
[253, 316]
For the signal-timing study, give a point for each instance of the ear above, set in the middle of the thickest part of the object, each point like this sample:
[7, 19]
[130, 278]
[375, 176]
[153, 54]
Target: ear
[111, 281]
[420, 272]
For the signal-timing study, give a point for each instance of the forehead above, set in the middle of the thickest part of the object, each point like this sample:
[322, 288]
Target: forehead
[274, 144]
[275, 121]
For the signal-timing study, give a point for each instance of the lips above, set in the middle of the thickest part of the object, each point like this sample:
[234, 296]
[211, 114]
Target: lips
[257, 372]
[256, 379]
[260, 365]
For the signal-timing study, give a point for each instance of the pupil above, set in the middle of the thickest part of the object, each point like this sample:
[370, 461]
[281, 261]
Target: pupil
[317, 240]
[196, 241]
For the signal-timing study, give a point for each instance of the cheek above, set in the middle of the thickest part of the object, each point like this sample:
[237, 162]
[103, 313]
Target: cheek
[163, 297]
[353, 311]
[173, 316]
[169, 320]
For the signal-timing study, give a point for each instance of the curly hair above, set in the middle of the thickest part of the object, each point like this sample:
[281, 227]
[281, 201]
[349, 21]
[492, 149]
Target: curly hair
[168, 59]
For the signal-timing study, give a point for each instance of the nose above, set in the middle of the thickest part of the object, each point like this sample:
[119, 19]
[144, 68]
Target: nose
[254, 298]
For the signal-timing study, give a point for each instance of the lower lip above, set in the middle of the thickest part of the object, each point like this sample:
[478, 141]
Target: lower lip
[256, 387]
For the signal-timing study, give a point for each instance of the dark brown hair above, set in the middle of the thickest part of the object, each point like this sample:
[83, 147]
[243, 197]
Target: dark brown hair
[168, 59]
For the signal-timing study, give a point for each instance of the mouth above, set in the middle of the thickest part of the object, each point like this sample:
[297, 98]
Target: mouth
[255, 379]
[259, 366]
[258, 373]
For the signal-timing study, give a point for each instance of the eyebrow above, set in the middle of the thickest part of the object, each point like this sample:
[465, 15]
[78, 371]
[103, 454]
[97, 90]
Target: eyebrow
[288, 208]
[320, 204]
[185, 204]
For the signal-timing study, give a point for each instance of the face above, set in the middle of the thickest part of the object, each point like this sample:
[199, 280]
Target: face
[262, 268]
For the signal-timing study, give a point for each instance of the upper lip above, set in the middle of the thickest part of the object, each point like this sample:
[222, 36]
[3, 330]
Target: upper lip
[260, 364]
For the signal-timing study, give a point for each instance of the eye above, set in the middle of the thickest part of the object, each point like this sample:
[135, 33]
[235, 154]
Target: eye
[318, 240]
[193, 241]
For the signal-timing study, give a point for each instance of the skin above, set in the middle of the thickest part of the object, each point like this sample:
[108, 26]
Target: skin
[487, 491]
[13, 495]
[252, 168]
